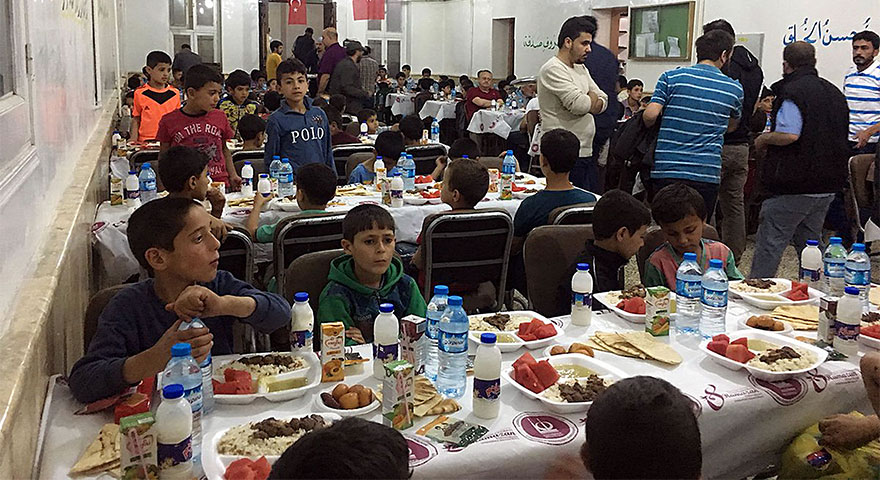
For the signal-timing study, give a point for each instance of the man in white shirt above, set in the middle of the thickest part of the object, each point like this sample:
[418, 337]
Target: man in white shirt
[861, 85]
[569, 97]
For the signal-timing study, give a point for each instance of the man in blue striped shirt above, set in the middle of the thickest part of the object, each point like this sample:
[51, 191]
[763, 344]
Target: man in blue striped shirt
[861, 85]
[699, 104]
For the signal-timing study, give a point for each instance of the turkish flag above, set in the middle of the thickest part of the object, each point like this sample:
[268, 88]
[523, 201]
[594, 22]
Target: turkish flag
[369, 9]
[297, 13]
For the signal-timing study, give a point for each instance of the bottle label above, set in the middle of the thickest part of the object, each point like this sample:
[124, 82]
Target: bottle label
[714, 298]
[809, 275]
[300, 339]
[857, 277]
[386, 353]
[581, 300]
[170, 455]
[688, 289]
[148, 184]
[132, 194]
[410, 172]
[247, 182]
[433, 328]
[834, 269]
[453, 342]
[397, 194]
[487, 389]
[846, 332]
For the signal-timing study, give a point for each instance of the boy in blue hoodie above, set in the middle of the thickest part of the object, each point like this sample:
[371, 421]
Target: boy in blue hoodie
[297, 130]
[369, 274]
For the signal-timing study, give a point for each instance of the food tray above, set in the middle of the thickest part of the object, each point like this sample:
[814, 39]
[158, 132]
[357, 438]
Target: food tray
[629, 317]
[312, 371]
[775, 338]
[319, 404]
[769, 301]
[519, 343]
[870, 342]
[741, 324]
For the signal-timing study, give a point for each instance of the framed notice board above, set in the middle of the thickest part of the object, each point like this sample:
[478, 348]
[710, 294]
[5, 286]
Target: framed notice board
[662, 32]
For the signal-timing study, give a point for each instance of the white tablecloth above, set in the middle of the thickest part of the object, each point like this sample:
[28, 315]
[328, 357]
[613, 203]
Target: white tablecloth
[401, 103]
[500, 123]
[438, 109]
[525, 439]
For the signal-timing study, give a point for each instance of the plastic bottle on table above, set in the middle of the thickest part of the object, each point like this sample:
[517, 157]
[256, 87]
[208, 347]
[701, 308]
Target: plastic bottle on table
[183, 369]
[582, 296]
[116, 139]
[206, 368]
[285, 179]
[273, 172]
[849, 319]
[386, 342]
[435, 131]
[381, 173]
[397, 187]
[365, 130]
[714, 299]
[409, 172]
[857, 272]
[811, 265]
[487, 378]
[302, 323]
[247, 179]
[147, 183]
[688, 288]
[174, 424]
[453, 344]
[132, 190]
[264, 186]
[835, 266]
[508, 171]
[436, 307]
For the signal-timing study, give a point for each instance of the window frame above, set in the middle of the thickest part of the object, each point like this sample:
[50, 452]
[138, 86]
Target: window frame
[384, 36]
[194, 31]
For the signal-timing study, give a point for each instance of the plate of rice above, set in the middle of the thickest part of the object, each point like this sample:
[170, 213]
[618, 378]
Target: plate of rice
[506, 324]
[265, 364]
[777, 357]
[303, 371]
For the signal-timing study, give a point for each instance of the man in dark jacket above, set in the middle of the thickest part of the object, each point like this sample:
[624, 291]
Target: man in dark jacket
[605, 69]
[304, 49]
[346, 78]
[743, 67]
[806, 160]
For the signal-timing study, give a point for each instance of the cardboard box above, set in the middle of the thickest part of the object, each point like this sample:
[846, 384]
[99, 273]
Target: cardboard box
[414, 342]
[397, 395]
[657, 303]
[137, 446]
[332, 352]
[116, 193]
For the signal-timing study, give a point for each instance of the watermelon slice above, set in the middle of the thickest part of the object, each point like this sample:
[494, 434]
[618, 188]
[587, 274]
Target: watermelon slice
[523, 328]
[545, 372]
[721, 338]
[526, 377]
[261, 467]
[545, 331]
[229, 388]
[525, 359]
[528, 337]
[240, 470]
[718, 347]
[739, 353]
[872, 331]
[534, 325]
[741, 341]
[798, 292]
[635, 305]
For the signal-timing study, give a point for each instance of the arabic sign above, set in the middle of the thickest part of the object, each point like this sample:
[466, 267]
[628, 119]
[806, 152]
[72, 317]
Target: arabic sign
[819, 32]
[547, 43]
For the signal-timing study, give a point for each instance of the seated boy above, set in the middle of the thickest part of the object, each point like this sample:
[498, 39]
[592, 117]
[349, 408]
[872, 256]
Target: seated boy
[461, 148]
[183, 172]
[367, 275]
[153, 100]
[369, 117]
[388, 145]
[411, 127]
[339, 102]
[236, 104]
[372, 451]
[338, 136]
[252, 129]
[171, 239]
[681, 213]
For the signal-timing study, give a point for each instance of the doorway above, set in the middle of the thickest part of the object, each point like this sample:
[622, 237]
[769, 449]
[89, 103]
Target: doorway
[503, 43]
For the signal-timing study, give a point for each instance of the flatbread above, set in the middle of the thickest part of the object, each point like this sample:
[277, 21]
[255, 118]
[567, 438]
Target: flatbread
[652, 348]
[805, 313]
[448, 405]
[101, 455]
[424, 408]
[600, 345]
[617, 341]
[874, 295]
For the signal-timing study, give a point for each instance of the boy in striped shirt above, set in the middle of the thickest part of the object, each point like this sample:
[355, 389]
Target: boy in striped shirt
[861, 85]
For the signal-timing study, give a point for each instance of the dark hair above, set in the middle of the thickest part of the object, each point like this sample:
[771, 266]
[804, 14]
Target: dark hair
[469, 177]
[621, 81]
[720, 24]
[765, 92]
[367, 50]
[198, 75]
[502, 84]
[868, 36]
[618, 209]
[467, 84]
[510, 78]
[484, 70]
[365, 114]
[635, 415]
[561, 149]
[389, 145]
[134, 82]
[238, 78]
[319, 102]
[574, 27]
[446, 83]
[272, 101]
[372, 451]
[676, 201]
[411, 127]
[275, 44]
[799, 54]
[426, 83]
[406, 67]
[156, 224]
[156, 57]
[178, 164]
[339, 102]
[365, 217]
[333, 115]
[317, 182]
[250, 126]
[464, 146]
[443, 78]
[426, 71]
[290, 66]
[309, 30]
[634, 83]
[185, 46]
[400, 75]
[462, 78]
[712, 44]
[257, 74]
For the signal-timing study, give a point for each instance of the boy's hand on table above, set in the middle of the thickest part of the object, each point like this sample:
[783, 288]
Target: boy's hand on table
[354, 334]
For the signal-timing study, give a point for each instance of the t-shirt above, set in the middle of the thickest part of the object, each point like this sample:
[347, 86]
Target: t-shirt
[234, 111]
[360, 174]
[533, 105]
[272, 62]
[150, 105]
[333, 55]
[206, 132]
[475, 92]
[342, 138]
[535, 210]
[698, 102]
[862, 90]
[662, 265]
[789, 119]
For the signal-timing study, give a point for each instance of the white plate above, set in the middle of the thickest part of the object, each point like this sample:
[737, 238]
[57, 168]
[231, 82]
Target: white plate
[312, 372]
[546, 351]
[870, 342]
[285, 205]
[513, 346]
[604, 370]
[769, 301]
[414, 199]
[346, 413]
[775, 338]
[741, 324]
[629, 317]
[215, 464]
[424, 186]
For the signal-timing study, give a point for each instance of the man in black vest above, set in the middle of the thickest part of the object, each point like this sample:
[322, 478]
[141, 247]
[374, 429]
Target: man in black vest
[806, 157]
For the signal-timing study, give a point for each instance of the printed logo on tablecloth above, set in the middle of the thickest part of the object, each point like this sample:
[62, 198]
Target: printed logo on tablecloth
[98, 226]
[820, 381]
[482, 127]
[845, 377]
[419, 451]
[558, 322]
[784, 392]
[545, 428]
[716, 399]
[502, 435]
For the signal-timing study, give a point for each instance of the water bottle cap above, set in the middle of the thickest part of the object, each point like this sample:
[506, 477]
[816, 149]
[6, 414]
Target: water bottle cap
[286, 160]
[464, 156]
[181, 350]
[264, 175]
[132, 172]
[487, 338]
[441, 290]
[247, 162]
[145, 165]
[690, 256]
[301, 297]
[851, 291]
[409, 156]
[276, 157]
[812, 243]
[378, 157]
[510, 152]
[583, 267]
[715, 263]
[170, 392]
[858, 247]
[454, 301]
[835, 240]
[386, 308]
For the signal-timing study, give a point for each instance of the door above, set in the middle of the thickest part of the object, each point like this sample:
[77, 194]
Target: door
[503, 43]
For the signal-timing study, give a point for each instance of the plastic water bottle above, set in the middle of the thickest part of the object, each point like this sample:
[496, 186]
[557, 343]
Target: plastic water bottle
[397, 187]
[714, 299]
[207, 369]
[582, 296]
[508, 170]
[116, 139]
[409, 172]
[365, 130]
[273, 172]
[147, 183]
[302, 323]
[453, 344]
[436, 307]
[487, 378]
[386, 342]
[811, 265]
[285, 179]
[435, 131]
[381, 173]
[183, 369]
[247, 179]
[174, 424]
[132, 190]
[264, 186]
[688, 288]
[835, 266]
[858, 272]
[848, 322]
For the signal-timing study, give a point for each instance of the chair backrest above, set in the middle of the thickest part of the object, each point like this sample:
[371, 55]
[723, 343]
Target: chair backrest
[253, 156]
[354, 160]
[308, 273]
[471, 246]
[141, 157]
[578, 214]
[858, 172]
[353, 129]
[654, 238]
[299, 235]
[425, 156]
[549, 251]
[237, 255]
[340, 158]
[96, 306]
[491, 162]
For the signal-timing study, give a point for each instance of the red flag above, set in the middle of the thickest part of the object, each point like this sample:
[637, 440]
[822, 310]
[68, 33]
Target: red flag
[297, 13]
[369, 9]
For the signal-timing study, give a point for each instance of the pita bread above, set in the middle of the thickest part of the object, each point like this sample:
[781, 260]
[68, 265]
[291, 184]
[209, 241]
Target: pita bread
[599, 344]
[657, 350]
[448, 405]
[617, 341]
[874, 295]
[804, 313]
[102, 455]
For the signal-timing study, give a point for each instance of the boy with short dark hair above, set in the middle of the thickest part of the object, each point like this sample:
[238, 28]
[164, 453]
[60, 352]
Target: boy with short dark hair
[236, 104]
[461, 148]
[411, 127]
[184, 173]
[338, 136]
[272, 100]
[298, 130]
[171, 239]
[252, 129]
[388, 145]
[339, 102]
[154, 99]
[199, 125]
[369, 117]
[681, 213]
[367, 275]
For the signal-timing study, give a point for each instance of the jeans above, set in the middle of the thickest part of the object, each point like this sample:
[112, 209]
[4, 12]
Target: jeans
[783, 219]
[600, 140]
[709, 191]
[734, 172]
[584, 174]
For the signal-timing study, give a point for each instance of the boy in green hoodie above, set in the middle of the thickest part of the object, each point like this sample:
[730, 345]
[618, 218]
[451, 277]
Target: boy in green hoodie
[367, 275]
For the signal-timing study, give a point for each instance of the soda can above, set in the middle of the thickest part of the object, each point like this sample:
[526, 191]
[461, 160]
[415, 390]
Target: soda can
[827, 319]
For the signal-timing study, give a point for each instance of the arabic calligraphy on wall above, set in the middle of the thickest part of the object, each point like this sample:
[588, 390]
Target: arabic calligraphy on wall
[547, 43]
[819, 32]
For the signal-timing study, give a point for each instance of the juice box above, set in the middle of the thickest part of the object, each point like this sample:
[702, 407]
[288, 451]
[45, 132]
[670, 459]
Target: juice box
[397, 395]
[137, 446]
[413, 343]
[827, 319]
[115, 191]
[657, 308]
[494, 177]
[332, 351]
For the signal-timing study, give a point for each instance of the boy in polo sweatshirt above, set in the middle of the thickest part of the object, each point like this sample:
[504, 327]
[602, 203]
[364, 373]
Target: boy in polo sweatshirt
[298, 130]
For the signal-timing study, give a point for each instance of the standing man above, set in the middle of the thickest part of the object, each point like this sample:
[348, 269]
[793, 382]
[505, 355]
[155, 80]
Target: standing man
[742, 67]
[569, 97]
[483, 96]
[303, 45]
[369, 69]
[699, 104]
[346, 78]
[605, 70]
[333, 54]
[806, 160]
[861, 85]
[274, 58]
[185, 58]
